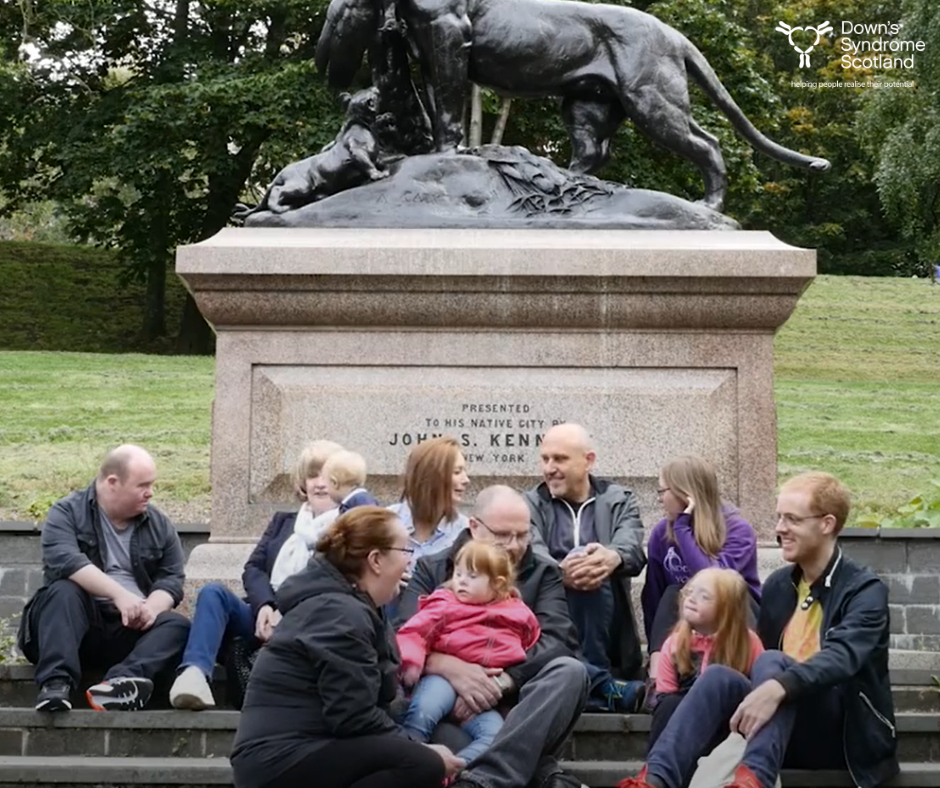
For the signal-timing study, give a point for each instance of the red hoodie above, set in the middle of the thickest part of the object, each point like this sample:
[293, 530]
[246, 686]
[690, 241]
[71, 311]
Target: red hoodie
[495, 635]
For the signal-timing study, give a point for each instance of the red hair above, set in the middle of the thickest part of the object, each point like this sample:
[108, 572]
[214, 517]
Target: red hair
[732, 638]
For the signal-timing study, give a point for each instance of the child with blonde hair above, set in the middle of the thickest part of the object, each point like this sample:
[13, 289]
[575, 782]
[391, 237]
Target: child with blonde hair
[713, 630]
[345, 475]
[478, 617]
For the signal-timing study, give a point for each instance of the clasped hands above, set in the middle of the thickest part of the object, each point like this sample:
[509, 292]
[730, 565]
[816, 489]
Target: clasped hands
[587, 570]
[140, 614]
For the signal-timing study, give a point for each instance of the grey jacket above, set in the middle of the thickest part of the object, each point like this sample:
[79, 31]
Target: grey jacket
[618, 526]
[72, 539]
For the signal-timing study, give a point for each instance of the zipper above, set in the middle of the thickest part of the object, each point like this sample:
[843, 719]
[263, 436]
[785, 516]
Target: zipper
[881, 718]
[845, 751]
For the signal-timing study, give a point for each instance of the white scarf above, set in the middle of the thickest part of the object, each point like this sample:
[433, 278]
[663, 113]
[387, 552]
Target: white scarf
[295, 554]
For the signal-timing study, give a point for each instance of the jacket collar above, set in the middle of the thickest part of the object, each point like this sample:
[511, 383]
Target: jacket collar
[823, 585]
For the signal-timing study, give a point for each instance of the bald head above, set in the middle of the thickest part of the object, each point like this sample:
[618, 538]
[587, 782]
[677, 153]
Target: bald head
[501, 516]
[125, 483]
[567, 457]
[573, 436]
[499, 498]
[118, 461]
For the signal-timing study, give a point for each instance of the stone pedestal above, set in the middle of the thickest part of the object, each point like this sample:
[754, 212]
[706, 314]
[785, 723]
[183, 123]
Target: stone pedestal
[659, 343]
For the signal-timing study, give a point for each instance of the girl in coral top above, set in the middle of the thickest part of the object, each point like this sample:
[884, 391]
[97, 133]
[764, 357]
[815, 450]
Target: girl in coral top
[713, 630]
[478, 617]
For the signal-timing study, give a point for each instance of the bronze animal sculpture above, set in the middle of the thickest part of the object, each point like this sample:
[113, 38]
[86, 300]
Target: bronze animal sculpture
[351, 159]
[606, 62]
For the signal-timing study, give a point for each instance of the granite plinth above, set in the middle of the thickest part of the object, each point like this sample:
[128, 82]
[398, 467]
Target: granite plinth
[659, 342]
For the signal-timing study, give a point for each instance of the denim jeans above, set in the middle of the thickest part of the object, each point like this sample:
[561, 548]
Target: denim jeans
[806, 734]
[698, 725]
[432, 701]
[219, 616]
[593, 615]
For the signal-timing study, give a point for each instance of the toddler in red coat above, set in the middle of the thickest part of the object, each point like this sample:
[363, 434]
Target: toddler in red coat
[478, 617]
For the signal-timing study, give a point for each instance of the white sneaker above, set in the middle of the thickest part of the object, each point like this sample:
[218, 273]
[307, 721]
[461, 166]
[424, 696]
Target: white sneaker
[191, 691]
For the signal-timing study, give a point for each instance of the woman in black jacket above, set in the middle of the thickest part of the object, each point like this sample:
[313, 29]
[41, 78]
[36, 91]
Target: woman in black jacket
[220, 615]
[316, 709]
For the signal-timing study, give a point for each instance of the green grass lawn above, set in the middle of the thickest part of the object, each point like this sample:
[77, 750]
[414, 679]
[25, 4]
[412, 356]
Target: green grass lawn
[858, 393]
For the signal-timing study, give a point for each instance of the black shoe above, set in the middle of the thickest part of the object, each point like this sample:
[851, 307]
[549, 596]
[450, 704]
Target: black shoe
[120, 694]
[561, 780]
[54, 696]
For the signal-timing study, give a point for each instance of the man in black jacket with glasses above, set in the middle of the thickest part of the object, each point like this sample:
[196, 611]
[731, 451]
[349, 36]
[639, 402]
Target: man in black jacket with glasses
[820, 697]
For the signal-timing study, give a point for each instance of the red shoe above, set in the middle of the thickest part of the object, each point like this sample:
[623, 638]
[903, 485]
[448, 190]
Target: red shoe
[744, 778]
[635, 782]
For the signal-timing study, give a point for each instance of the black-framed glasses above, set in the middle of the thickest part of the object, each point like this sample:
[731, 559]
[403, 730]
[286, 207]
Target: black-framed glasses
[505, 539]
[409, 550]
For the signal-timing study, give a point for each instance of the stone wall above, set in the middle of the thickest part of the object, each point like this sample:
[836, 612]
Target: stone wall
[907, 560]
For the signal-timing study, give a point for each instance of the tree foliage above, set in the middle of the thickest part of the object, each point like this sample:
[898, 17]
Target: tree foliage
[146, 122]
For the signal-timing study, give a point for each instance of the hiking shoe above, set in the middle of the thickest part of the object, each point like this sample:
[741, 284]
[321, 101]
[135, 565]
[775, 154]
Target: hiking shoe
[624, 697]
[635, 782]
[54, 696]
[191, 691]
[120, 694]
[744, 778]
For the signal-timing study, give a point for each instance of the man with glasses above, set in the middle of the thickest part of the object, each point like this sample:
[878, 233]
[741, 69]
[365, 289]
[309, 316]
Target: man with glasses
[592, 529]
[547, 691]
[823, 700]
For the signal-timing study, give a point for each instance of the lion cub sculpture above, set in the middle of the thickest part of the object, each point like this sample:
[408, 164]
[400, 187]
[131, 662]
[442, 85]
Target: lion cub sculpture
[351, 159]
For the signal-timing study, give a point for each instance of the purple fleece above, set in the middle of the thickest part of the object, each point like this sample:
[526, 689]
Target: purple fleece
[674, 564]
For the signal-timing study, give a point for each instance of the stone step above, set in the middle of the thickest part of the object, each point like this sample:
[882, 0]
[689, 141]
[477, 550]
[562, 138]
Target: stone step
[188, 735]
[914, 688]
[66, 771]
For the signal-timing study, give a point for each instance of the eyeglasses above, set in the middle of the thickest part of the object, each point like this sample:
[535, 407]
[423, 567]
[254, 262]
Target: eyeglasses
[791, 519]
[505, 539]
[409, 550]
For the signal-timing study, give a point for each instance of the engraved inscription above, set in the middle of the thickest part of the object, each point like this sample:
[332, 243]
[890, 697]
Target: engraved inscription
[499, 432]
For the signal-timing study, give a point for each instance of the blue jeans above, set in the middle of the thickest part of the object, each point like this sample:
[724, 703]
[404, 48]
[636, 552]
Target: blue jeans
[806, 734]
[219, 615]
[593, 615]
[432, 701]
[698, 725]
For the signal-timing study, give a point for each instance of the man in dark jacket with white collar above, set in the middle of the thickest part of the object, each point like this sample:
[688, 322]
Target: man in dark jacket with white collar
[548, 690]
[113, 571]
[823, 700]
[592, 528]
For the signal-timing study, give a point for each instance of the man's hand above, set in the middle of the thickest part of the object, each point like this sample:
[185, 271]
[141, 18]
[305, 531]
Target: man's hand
[473, 683]
[757, 708]
[129, 607]
[158, 602]
[588, 570]
[452, 764]
[267, 619]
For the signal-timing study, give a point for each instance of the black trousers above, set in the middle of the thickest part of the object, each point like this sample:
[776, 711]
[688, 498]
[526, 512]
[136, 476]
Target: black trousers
[69, 632]
[384, 761]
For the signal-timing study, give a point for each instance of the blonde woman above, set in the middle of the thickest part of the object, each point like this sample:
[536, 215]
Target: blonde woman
[698, 532]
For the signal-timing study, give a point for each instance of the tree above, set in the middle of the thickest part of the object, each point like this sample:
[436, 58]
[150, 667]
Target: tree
[900, 127]
[145, 121]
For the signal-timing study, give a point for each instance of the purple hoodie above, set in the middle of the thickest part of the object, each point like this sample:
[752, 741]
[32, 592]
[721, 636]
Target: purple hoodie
[674, 564]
